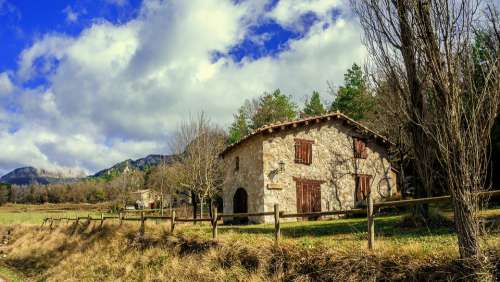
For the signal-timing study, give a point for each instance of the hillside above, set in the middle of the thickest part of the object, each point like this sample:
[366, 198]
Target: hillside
[30, 175]
[141, 164]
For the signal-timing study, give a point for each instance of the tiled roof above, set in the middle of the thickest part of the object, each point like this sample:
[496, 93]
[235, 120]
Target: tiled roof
[269, 128]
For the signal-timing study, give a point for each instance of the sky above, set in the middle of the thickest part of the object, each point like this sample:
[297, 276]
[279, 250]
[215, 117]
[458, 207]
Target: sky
[85, 84]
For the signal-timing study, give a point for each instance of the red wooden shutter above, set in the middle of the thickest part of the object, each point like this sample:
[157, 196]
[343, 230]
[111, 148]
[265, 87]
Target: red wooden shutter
[297, 151]
[358, 192]
[308, 195]
[309, 153]
[303, 151]
[362, 187]
[360, 151]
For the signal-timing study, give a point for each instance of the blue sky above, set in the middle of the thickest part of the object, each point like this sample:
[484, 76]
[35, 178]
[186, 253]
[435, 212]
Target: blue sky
[84, 84]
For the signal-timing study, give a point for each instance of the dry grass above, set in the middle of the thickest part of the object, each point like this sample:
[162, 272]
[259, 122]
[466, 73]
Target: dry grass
[55, 207]
[113, 253]
[332, 250]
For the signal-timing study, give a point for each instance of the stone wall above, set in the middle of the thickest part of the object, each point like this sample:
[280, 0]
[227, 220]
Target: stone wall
[333, 162]
[249, 175]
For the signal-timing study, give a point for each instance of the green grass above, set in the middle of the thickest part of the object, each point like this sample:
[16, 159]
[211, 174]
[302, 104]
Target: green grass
[115, 252]
[343, 234]
[10, 275]
[36, 217]
[350, 233]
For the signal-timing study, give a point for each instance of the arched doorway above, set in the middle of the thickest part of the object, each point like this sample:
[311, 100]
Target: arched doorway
[240, 204]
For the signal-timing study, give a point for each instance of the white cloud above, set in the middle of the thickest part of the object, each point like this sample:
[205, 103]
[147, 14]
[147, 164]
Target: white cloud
[288, 13]
[118, 91]
[6, 85]
[71, 16]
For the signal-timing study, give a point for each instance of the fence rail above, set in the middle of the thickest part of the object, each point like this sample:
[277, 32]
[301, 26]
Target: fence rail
[369, 210]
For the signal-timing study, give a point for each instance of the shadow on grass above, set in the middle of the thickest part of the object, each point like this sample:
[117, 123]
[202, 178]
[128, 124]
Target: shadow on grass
[384, 226]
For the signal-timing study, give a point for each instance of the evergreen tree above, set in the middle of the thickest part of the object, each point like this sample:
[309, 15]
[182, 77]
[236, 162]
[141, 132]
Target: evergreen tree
[273, 107]
[314, 107]
[353, 98]
[268, 108]
[239, 128]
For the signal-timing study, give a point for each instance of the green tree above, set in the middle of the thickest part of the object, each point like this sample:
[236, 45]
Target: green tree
[271, 108]
[314, 107]
[239, 128]
[5, 191]
[268, 108]
[353, 98]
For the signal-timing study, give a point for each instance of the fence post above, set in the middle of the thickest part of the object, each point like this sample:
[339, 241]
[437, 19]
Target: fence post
[172, 222]
[214, 222]
[277, 231]
[51, 222]
[371, 225]
[142, 229]
[120, 216]
[102, 220]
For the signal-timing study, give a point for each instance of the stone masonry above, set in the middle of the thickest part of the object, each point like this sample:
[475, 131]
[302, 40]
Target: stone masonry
[333, 163]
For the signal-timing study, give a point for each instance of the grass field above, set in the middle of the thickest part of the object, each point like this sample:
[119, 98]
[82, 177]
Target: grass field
[348, 234]
[10, 275]
[36, 217]
[338, 233]
[309, 250]
[35, 214]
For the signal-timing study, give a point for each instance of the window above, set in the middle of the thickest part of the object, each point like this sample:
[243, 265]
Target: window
[360, 151]
[362, 186]
[237, 164]
[303, 151]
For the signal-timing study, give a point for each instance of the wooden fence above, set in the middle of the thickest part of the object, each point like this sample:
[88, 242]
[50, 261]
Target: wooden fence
[276, 213]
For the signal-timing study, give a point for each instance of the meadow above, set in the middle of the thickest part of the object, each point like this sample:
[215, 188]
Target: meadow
[334, 250]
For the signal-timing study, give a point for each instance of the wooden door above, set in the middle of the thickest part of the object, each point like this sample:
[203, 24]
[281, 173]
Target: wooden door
[308, 196]
[362, 187]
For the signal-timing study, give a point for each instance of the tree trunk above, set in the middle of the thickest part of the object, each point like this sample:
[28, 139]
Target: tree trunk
[210, 204]
[468, 232]
[170, 204]
[202, 200]
[194, 202]
[467, 226]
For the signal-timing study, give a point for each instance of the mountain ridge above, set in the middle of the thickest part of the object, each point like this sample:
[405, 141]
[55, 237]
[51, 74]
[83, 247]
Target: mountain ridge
[138, 164]
[30, 175]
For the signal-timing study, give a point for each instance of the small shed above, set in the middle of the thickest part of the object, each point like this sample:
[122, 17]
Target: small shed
[145, 199]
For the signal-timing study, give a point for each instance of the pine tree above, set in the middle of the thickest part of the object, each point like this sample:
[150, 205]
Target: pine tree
[353, 98]
[314, 107]
[273, 107]
[239, 128]
[268, 108]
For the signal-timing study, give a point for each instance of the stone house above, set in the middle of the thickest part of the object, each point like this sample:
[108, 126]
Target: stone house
[145, 199]
[319, 163]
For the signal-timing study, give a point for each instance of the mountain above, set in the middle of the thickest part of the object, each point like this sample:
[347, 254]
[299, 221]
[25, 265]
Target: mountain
[129, 165]
[30, 175]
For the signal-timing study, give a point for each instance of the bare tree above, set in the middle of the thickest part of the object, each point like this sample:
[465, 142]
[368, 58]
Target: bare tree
[344, 167]
[199, 143]
[427, 49]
